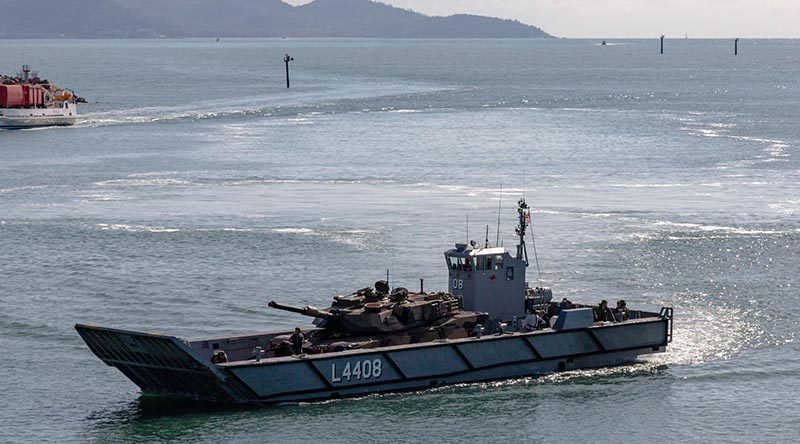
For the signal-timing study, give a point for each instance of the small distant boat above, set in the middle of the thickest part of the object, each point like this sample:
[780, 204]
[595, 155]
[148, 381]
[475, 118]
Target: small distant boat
[26, 101]
[603, 43]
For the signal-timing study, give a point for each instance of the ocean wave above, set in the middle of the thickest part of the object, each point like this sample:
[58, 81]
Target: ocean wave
[300, 112]
[357, 238]
[100, 197]
[695, 227]
[334, 181]
[144, 182]
[775, 150]
[24, 188]
[155, 179]
[788, 207]
[307, 231]
[29, 328]
[622, 217]
[137, 228]
[693, 122]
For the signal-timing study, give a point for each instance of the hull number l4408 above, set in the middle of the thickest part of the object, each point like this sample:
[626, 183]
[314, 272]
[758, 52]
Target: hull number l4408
[358, 370]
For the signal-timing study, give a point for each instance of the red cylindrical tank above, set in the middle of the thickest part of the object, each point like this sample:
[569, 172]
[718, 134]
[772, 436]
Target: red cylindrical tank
[37, 96]
[11, 96]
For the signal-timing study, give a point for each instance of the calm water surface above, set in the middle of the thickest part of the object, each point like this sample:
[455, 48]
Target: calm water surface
[196, 188]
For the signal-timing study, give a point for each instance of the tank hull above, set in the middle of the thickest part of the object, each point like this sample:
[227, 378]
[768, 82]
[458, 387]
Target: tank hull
[169, 366]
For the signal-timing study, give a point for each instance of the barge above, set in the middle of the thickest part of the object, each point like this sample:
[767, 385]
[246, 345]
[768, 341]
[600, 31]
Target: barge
[490, 325]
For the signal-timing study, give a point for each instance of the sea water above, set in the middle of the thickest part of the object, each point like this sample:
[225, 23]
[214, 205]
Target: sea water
[195, 188]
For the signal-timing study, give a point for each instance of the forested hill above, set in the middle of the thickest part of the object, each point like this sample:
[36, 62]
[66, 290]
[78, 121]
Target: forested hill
[241, 18]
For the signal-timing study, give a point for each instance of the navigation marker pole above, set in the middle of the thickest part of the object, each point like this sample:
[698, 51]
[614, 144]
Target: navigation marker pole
[286, 59]
[736, 46]
[662, 43]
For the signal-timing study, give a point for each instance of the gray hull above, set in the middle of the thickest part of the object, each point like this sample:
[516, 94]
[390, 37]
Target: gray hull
[167, 365]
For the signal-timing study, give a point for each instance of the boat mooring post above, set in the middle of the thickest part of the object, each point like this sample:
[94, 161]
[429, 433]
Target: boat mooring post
[286, 59]
[662, 43]
[736, 46]
[421, 285]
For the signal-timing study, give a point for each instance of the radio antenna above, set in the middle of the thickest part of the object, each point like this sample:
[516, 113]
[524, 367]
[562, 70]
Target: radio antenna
[486, 245]
[499, 208]
[467, 229]
[533, 243]
[523, 182]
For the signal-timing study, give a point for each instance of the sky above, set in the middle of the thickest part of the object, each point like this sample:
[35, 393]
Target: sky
[631, 18]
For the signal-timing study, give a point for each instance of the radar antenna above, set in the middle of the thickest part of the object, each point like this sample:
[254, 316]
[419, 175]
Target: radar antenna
[524, 217]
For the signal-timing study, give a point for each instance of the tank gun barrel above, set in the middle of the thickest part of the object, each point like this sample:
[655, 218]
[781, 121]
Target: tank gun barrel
[305, 311]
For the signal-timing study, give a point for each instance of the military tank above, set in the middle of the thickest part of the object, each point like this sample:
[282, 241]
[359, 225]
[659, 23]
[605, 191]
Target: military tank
[379, 316]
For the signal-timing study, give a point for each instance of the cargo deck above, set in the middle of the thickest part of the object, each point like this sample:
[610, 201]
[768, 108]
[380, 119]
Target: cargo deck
[168, 365]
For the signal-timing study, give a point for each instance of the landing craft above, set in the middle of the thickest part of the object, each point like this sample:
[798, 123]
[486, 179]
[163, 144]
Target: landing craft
[490, 325]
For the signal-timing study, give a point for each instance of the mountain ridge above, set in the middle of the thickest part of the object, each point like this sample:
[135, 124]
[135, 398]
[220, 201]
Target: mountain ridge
[243, 18]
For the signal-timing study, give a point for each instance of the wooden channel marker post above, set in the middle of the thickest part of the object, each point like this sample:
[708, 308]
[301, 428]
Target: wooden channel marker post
[662, 43]
[736, 46]
[286, 59]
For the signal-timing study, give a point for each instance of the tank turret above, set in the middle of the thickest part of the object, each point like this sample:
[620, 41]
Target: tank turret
[379, 310]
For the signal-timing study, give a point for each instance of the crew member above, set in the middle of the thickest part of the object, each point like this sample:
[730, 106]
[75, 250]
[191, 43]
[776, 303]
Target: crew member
[622, 310]
[536, 321]
[296, 341]
[603, 312]
[219, 357]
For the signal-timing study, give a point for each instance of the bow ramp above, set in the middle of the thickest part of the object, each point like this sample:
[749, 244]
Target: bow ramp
[162, 364]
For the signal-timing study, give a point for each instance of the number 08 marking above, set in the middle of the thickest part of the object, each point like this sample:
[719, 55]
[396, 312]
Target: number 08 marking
[458, 284]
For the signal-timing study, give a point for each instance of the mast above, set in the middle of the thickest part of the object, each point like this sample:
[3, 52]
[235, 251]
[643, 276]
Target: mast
[524, 217]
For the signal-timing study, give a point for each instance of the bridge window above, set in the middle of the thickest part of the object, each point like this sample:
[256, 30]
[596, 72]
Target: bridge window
[460, 263]
[453, 263]
[483, 262]
[498, 262]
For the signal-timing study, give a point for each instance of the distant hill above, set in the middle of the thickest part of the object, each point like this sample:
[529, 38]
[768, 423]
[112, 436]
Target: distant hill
[240, 18]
